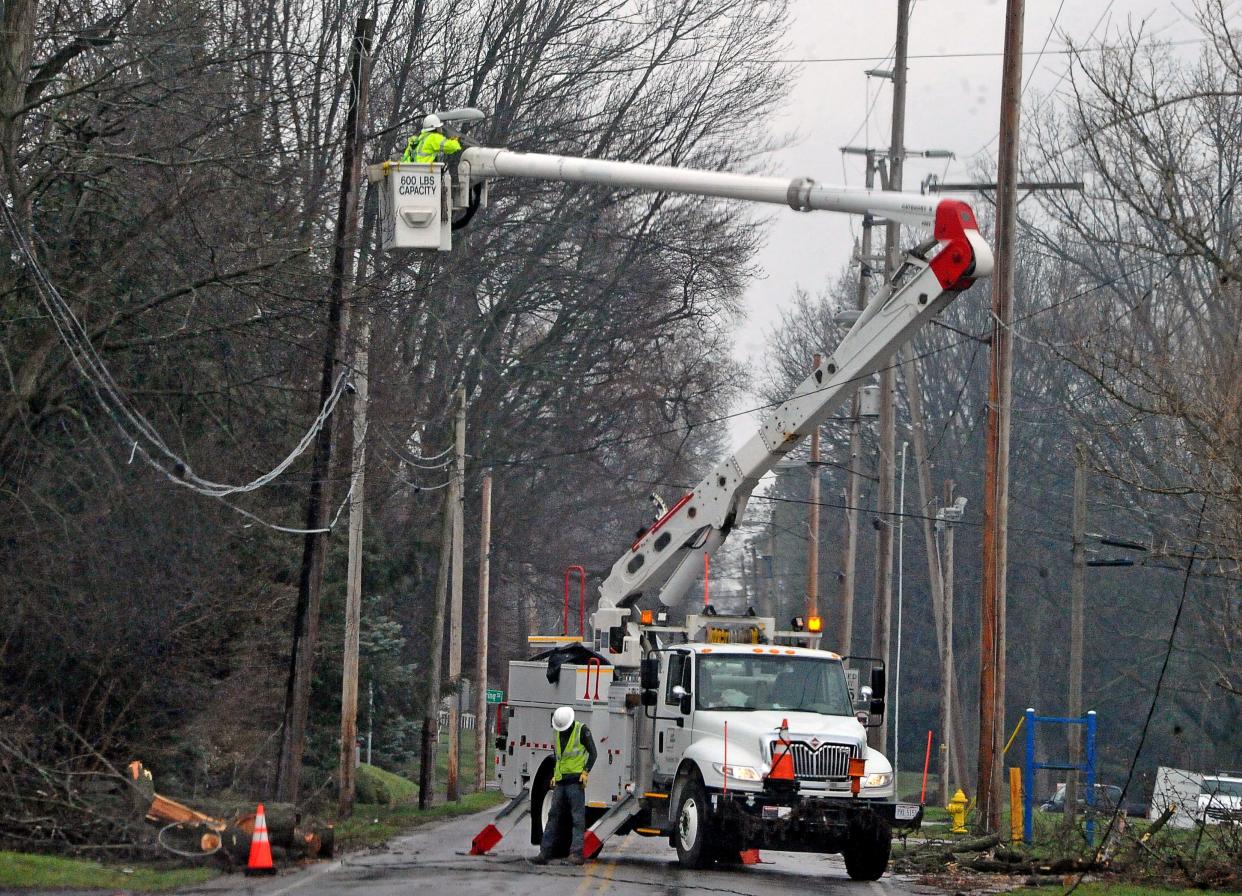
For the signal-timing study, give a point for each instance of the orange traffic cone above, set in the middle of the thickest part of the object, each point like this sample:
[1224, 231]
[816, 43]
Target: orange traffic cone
[260, 847]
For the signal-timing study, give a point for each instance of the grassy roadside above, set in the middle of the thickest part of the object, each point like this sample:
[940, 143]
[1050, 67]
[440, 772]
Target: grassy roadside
[372, 825]
[1107, 888]
[20, 870]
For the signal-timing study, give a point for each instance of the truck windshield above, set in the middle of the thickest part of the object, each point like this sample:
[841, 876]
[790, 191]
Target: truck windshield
[793, 683]
[1222, 787]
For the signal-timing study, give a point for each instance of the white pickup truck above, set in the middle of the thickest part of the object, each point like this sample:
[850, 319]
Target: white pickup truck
[1220, 799]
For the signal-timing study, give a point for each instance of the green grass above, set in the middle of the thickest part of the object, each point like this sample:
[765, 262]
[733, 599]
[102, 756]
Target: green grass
[374, 785]
[465, 770]
[371, 825]
[50, 872]
[1106, 888]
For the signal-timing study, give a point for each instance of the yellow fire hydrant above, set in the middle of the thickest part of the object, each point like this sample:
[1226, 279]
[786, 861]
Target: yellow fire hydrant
[957, 811]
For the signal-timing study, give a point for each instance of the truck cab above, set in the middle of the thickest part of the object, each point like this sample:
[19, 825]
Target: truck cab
[738, 698]
[726, 716]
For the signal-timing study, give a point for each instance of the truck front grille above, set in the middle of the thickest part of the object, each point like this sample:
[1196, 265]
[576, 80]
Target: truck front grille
[818, 763]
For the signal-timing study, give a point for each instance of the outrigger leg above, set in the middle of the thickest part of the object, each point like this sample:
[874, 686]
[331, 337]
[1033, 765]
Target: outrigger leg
[508, 817]
[608, 825]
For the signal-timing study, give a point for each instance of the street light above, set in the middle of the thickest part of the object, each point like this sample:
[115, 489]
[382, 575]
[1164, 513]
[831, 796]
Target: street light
[951, 514]
[464, 113]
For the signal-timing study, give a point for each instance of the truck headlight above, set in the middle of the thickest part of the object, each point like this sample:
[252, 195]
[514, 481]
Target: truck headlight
[739, 772]
[877, 779]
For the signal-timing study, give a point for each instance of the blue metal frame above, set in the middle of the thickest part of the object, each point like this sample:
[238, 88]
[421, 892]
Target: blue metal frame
[1030, 765]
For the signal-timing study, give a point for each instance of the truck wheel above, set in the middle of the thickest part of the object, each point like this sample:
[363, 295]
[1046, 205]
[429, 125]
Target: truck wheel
[866, 852]
[540, 806]
[691, 827]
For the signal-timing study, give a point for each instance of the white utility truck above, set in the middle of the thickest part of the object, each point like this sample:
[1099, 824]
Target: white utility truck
[722, 734]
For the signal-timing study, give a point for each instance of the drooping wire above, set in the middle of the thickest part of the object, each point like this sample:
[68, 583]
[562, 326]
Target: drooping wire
[133, 426]
[1155, 697]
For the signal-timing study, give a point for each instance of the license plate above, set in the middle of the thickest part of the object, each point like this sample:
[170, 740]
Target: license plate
[776, 811]
[906, 811]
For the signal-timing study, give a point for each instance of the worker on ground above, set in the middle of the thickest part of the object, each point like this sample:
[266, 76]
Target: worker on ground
[430, 145]
[575, 756]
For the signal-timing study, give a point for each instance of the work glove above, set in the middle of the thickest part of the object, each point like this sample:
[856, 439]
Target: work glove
[583, 778]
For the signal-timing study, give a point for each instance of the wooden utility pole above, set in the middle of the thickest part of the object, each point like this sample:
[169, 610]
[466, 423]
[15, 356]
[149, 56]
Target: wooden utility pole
[482, 741]
[953, 737]
[431, 714]
[756, 587]
[1077, 600]
[996, 471]
[457, 499]
[812, 529]
[353, 579]
[881, 624]
[318, 504]
[948, 691]
[769, 587]
[357, 491]
[843, 626]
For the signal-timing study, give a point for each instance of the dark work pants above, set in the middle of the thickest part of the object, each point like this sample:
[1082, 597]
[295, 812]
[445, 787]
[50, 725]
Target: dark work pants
[568, 798]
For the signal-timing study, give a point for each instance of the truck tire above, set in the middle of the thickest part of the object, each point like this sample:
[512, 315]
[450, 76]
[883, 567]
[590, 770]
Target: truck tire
[692, 833]
[866, 852]
[540, 801]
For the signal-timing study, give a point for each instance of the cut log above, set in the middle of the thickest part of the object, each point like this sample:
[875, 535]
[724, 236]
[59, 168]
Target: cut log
[1041, 880]
[977, 845]
[228, 824]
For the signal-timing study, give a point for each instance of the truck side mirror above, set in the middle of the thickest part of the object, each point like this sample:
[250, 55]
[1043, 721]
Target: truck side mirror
[683, 699]
[649, 674]
[877, 692]
[877, 683]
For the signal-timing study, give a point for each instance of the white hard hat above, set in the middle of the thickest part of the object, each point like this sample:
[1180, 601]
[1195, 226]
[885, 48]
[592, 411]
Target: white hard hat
[563, 718]
[431, 122]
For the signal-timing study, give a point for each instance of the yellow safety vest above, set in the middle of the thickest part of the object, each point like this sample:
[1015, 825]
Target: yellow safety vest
[571, 762]
[428, 146]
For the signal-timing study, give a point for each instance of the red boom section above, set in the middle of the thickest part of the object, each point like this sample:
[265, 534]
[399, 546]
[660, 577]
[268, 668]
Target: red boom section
[955, 263]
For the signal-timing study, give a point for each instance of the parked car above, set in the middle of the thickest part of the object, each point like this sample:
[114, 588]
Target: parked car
[1220, 799]
[1107, 798]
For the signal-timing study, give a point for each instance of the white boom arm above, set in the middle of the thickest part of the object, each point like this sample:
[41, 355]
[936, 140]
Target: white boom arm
[800, 193]
[668, 557]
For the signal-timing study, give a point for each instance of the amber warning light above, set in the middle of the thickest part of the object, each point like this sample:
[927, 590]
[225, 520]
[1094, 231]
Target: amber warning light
[814, 624]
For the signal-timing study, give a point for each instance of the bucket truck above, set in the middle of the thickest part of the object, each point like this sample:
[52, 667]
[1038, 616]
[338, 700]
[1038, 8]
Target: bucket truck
[723, 734]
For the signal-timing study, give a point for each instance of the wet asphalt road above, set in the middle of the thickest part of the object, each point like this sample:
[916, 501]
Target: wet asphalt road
[432, 860]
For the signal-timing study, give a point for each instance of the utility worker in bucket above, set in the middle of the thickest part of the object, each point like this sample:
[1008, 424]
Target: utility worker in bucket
[430, 145]
[575, 756]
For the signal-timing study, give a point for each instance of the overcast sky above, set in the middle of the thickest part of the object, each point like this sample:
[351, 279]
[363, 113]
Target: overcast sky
[953, 102]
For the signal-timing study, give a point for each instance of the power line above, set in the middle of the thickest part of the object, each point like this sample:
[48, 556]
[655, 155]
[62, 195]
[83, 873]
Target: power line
[674, 430]
[971, 54]
[1074, 51]
[140, 432]
[1155, 697]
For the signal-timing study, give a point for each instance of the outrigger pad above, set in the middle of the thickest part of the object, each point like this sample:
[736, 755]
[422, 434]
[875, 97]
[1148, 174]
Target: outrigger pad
[591, 845]
[485, 840]
[574, 654]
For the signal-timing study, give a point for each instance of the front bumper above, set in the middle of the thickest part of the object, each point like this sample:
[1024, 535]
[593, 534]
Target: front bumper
[805, 823]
